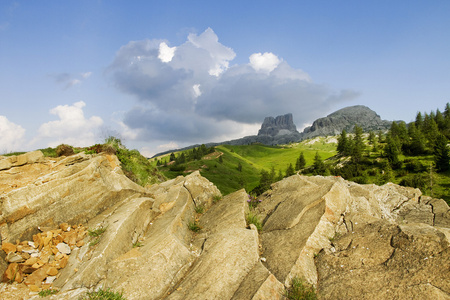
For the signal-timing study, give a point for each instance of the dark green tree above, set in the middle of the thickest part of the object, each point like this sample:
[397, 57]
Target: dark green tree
[290, 170]
[172, 157]
[301, 162]
[441, 154]
[344, 145]
[318, 165]
[392, 151]
[239, 167]
[358, 145]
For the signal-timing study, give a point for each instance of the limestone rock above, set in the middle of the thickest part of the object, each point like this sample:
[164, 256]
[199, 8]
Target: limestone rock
[349, 240]
[280, 125]
[346, 118]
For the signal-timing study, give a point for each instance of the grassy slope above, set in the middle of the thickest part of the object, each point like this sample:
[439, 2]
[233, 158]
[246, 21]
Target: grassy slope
[253, 158]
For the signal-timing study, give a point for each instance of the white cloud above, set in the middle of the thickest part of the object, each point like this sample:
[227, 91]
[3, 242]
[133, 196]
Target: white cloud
[69, 80]
[266, 62]
[197, 91]
[11, 136]
[196, 96]
[72, 127]
[220, 54]
[168, 146]
[86, 75]
[166, 53]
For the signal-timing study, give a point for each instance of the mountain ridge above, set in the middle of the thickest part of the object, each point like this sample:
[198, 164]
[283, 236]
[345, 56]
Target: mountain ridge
[282, 130]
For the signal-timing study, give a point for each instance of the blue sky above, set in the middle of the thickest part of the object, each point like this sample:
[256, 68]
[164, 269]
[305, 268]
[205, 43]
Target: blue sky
[167, 74]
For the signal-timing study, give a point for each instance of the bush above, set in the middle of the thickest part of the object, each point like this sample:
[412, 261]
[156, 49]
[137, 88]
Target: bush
[64, 150]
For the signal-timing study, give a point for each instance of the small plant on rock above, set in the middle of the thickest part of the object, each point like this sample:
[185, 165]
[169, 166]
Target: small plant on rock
[96, 233]
[299, 290]
[200, 209]
[104, 295]
[45, 293]
[217, 198]
[252, 218]
[194, 226]
[253, 201]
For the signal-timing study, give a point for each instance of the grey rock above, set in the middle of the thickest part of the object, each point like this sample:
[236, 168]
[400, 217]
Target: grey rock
[281, 125]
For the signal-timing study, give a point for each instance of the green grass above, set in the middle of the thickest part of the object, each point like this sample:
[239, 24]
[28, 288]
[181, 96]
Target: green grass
[299, 290]
[101, 294]
[96, 232]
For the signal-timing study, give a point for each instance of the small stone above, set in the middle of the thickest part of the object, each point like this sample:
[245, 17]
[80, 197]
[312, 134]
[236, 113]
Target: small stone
[8, 247]
[32, 244]
[63, 262]
[50, 279]
[64, 226]
[31, 261]
[13, 257]
[63, 248]
[52, 271]
[80, 243]
[34, 288]
[10, 272]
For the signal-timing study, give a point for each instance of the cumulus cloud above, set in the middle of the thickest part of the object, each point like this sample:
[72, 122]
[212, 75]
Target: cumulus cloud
[11, 136]
[191, 92]
[266, 62]
[72, 127]
[69, 80]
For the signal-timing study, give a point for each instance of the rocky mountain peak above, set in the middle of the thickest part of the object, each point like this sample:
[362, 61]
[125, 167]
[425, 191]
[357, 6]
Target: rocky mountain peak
[281, 125]
[346, 118]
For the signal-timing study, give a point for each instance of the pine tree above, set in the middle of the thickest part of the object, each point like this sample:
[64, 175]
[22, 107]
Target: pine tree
[441, 154]
[343, 146]
[419, 121]
[301, 162]
[172, 157]
[358, 145]
[318, 165]
[290, 170]
[392, 151]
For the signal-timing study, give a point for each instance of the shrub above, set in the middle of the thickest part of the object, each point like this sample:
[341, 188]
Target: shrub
[299, 290]
[64, 150]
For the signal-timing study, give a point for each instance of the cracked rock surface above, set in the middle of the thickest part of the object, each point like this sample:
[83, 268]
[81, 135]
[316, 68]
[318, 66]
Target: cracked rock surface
[348, 240]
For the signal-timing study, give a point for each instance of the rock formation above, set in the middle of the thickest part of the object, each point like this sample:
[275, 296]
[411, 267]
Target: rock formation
[346, 118]
[181, 240]
[281, 125]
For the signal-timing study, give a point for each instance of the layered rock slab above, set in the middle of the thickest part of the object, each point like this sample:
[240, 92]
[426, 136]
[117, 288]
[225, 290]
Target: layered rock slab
[229, 250]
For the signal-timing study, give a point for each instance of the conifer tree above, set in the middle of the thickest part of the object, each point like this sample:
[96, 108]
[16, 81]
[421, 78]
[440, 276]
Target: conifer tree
[290, 170]
[343, 146]
[441, 154]
[301, 162]
[392, 151]
[318, 165]
[358, 145]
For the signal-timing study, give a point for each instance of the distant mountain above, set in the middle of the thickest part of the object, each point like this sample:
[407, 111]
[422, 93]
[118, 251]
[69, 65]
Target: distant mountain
[282, 130]
[346, 118]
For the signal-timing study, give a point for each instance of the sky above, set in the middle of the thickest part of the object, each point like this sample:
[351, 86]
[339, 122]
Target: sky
[161, 75]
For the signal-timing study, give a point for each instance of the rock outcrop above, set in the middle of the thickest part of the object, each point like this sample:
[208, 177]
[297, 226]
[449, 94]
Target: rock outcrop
[346, 118]
[281, 125]
[181, 240]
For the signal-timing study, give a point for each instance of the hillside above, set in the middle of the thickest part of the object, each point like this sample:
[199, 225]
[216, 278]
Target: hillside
[75, 227]
[222, 167]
